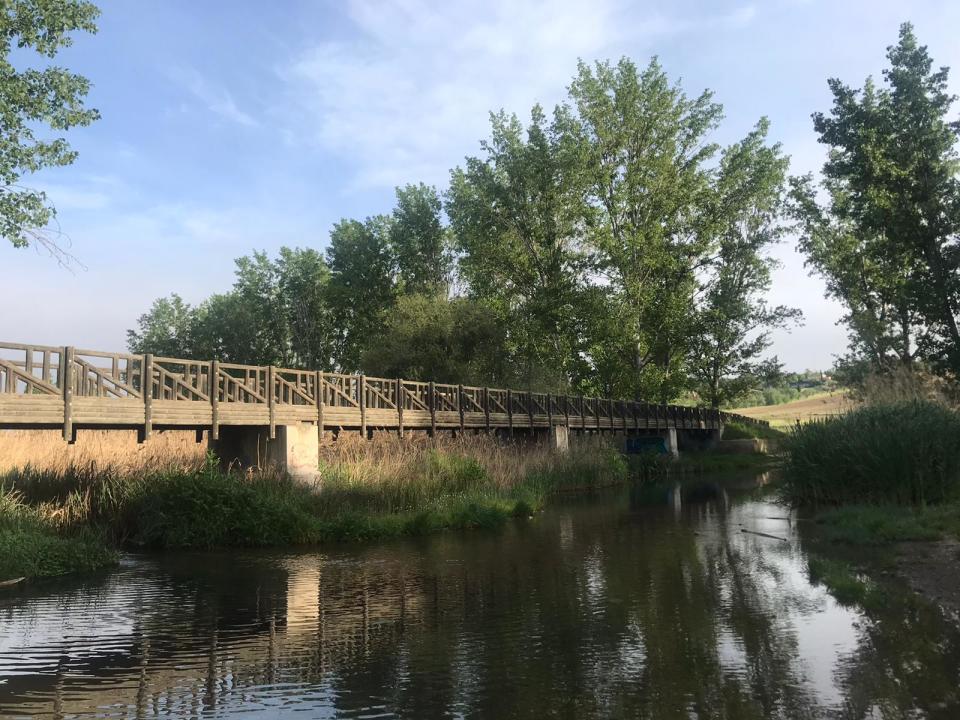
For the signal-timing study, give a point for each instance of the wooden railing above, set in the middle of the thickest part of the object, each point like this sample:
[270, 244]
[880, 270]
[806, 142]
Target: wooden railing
[44, 386]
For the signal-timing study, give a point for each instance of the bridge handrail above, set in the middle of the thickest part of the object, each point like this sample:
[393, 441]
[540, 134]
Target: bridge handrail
[40, 369]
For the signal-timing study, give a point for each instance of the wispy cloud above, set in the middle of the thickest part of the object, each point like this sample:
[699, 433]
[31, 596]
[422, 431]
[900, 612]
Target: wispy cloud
[215, 98]
[411, 90]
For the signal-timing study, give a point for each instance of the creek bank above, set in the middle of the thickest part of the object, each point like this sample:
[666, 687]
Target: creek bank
[77, 523]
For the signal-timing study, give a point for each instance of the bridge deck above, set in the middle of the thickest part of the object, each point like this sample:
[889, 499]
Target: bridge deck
[46, 386]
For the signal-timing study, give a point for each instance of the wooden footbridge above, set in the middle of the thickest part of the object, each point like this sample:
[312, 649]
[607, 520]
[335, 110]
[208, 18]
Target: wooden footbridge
[71, 388]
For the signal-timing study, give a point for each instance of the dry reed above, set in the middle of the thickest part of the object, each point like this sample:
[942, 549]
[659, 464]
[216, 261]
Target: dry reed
[98, 451]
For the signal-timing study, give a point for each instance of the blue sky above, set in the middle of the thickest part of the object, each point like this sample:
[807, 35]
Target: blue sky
[234, 126]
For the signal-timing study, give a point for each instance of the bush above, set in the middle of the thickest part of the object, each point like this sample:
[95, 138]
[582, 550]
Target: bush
[904, 453]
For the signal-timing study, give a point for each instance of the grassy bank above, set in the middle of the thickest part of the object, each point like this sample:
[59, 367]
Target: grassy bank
[368, 490]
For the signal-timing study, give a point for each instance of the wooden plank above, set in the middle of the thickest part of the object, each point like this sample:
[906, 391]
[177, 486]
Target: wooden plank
[510, 410]
[460, 405]
[432, 403]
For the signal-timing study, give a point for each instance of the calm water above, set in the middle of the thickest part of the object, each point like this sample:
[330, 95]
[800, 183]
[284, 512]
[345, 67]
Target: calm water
[642, 604]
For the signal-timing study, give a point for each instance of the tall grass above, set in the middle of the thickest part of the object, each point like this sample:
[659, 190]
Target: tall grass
[367, 489]
[32, 546]
[904, 452]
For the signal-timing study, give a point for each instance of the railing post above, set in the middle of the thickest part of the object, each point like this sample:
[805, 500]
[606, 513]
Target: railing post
[486, 408]
[510, 411]
[66, 380]
[146, 390]
[550, 410]
[215, 399]
[271, 403]
[460, 407]
[363, 406]
[399, 398]
[318, 398]
[583, 416]
[530, 409]
[566, 410]
[432, 403]
[610, 410]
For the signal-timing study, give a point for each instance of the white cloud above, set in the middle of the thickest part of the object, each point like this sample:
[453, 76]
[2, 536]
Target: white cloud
[214, 98]
[409, 95]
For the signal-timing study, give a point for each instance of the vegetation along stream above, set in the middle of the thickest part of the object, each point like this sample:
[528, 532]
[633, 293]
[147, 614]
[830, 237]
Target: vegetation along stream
[679, 600]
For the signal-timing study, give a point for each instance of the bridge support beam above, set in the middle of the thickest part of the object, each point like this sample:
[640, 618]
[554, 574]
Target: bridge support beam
[295, 449]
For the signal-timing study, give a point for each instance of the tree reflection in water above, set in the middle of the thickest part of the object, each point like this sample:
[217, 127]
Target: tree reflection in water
[652, 603]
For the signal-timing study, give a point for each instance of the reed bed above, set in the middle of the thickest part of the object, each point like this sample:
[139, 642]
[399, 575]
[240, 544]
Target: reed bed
[115, 451]
[368, 489]
[900, 452]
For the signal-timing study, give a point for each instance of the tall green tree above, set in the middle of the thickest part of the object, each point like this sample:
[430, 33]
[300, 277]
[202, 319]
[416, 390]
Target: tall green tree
[645, 147]
[734, 320]
[428, 337]
[166, 329]
[893, 208]
[515, 214]
[362, 286]
[32, 102]
[419, 241]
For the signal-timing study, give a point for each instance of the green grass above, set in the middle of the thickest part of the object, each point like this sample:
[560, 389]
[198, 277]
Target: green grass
[749, 431]
[845, 583]
[32, 546]
[884, 524]
[902, 453]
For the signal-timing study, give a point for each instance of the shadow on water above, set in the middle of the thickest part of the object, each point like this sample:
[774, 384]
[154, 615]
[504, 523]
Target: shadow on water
[659, 601]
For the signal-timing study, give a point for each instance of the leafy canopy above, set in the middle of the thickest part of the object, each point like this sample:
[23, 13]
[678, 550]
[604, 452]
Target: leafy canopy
[34, 99]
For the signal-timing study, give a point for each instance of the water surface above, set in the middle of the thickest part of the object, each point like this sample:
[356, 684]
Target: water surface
[646, 603]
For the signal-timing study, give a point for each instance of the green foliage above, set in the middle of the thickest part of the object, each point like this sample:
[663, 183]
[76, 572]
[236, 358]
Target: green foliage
[33, 100]
[600, 249]
[419, 241]
[277, 313]
[886, 241]
[31, 546]
[515, 217]
[427, 337]
[361, 286]
[645, 200]
[734, 322]
[905, 453]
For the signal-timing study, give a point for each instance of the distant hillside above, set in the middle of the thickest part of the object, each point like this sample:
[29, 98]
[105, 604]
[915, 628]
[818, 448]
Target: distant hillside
[804, 410]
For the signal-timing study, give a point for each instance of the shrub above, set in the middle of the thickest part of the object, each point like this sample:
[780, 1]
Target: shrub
[905, 453]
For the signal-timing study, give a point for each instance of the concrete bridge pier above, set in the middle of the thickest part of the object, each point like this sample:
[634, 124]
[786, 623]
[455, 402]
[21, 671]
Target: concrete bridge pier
[294, 450]
[669, 436]
[559, 438]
